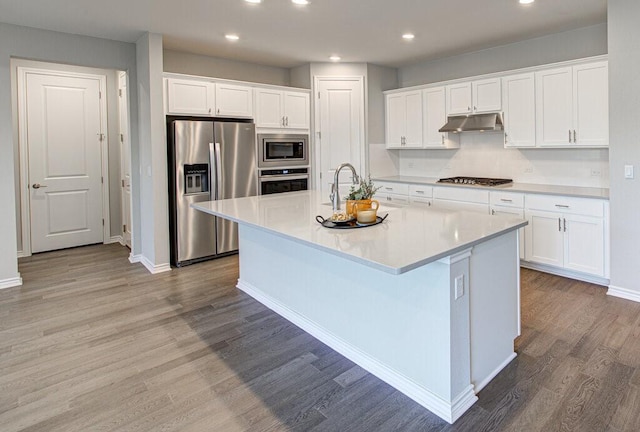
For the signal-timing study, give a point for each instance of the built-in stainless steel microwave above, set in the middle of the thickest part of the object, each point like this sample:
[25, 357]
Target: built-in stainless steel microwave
[283, 150]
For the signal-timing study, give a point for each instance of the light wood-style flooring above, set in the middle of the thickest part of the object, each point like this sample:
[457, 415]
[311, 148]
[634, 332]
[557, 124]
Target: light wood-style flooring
[93, 343]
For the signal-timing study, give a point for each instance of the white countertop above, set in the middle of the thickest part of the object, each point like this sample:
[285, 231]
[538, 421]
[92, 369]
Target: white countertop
[574, 191]
[410, 237]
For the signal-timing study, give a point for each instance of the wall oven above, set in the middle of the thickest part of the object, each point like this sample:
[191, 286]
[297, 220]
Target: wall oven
[283, 150]
[283, 180]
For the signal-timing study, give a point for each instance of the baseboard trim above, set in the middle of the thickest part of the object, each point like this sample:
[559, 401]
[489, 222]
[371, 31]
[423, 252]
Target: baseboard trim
[154, 268]
[115, 239]
[565, 273]
[11, 282]
[22, 254]
[133, 259]
[624, 293]
[448, 411]
[482, 384]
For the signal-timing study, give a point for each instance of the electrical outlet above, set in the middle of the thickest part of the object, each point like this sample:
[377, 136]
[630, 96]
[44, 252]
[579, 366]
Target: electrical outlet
[459, 286]
[528, 170]
[596, 173]
[628, 171]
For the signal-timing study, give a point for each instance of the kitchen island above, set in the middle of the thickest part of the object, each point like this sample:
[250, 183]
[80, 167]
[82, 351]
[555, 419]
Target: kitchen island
[427, 301]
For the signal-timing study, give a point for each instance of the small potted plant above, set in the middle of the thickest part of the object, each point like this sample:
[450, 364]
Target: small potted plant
[360, 196]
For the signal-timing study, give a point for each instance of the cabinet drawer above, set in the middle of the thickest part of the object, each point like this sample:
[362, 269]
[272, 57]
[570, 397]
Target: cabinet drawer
[387, 198]
[507, 199]
[393, 188]
[569, 205]
[420, 191]
[420, 201]
[462, 194]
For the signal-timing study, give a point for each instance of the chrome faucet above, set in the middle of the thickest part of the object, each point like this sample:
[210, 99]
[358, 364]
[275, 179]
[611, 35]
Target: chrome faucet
[335, 194]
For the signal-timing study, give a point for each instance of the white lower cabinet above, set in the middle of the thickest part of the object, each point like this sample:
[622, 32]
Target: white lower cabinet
[392, 193]
[568, 233]
[509, 204]
[452, 198]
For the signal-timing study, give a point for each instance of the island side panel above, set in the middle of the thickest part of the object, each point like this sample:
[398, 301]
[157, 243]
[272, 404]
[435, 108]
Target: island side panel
[397, 326]
[494, 306]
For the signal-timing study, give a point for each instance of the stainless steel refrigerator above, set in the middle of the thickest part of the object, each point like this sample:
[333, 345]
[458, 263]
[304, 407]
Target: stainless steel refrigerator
[208, 160]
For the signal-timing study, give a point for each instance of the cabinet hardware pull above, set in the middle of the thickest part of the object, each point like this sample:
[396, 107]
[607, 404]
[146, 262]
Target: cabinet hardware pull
[493, 212]
[505, 200]
[569, 135]
[565, 224]
[443, 139]
[469, 108]
[209, 110]
[419, 191]
[562, 206]
[475, 108]
[218, 110]
[574, 136]
[287, 122]
[559, 224]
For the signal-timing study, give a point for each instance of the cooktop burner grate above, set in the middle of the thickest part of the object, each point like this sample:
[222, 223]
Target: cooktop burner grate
[480, 181]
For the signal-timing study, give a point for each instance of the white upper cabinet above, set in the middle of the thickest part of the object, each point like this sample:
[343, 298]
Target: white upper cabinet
[474, 97]
[282, 109]
[518, 102]
[190, 97]
[572, 106]
[234, 100]
[404, 120]
[434, 116]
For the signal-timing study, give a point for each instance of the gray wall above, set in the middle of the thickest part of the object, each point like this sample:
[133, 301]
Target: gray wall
[379, 79]
[300, 76]
[574, 44]
[193, 64]
[624, 127]
[29, 43]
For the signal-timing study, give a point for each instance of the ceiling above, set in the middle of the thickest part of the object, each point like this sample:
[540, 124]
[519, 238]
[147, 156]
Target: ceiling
[279, 33]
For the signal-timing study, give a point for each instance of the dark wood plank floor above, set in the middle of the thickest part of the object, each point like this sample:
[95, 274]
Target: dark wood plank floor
[93, 343]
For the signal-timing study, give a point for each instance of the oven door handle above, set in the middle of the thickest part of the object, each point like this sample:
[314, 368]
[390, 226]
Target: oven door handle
[264, 179]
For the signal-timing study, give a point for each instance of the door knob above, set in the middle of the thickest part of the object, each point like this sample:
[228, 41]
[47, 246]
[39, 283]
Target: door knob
[38, 186]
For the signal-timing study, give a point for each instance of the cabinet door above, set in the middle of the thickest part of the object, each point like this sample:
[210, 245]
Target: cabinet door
[486, 95]
[544, 239]
[554, 107]
[190, 97]
[459, 98]
[396, 119]
[434, 116]
[269, 108]
[296, 110]
[233, 100]
[507, 211]
[591, 104]
[461, 205]
[584, 244]
[518, 100]
[413, 128]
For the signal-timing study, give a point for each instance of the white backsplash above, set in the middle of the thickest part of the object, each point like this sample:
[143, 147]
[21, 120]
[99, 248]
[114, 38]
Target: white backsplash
[484, 155]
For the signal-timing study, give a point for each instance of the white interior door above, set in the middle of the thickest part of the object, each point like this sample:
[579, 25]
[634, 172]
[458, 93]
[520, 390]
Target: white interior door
[63, 115]
[340, 130]
[125, 157]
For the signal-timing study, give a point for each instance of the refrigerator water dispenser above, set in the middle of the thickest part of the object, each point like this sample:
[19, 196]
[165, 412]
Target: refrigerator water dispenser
[196, 179]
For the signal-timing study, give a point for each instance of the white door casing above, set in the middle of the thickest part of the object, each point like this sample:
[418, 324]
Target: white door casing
[339, 130]
[63, 149]
[125, 157]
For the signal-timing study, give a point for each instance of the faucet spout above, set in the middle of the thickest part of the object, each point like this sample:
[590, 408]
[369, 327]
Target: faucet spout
[335, 193]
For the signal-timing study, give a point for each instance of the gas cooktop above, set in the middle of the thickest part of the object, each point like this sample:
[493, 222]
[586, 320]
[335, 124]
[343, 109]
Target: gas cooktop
[480, 181]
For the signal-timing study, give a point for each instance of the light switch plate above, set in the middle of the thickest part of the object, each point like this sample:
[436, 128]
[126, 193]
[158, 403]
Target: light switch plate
[459, 286]
[628, 171]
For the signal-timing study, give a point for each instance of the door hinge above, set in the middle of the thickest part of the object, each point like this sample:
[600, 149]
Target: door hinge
[102, 180]
[320, 175]
[120, 92]
[102, 222]
[318, 95]
[124, 228]
[121, 137]
[122, 183]
[319, 135]
[99, 95]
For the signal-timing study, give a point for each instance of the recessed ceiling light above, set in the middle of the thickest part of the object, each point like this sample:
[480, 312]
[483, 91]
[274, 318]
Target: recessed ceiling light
[526, 1]
[408, 36]
[232, 37]
[253, 1]
[334, 58]
[300, 2]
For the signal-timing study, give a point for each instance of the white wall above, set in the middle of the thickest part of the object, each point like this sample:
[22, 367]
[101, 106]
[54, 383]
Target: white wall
[569, 45]
[193, 64]
[29, 43]
[484, 155]
[624, 127]
[153, 197]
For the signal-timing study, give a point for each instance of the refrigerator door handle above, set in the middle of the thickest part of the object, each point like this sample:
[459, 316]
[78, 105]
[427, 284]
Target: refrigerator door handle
[213, 174]
[218, 171]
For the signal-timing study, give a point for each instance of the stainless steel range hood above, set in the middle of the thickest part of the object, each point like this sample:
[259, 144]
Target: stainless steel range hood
[473, 123]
